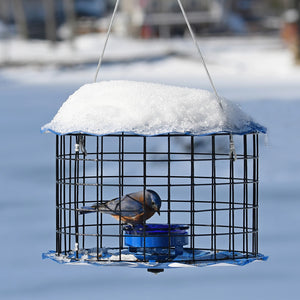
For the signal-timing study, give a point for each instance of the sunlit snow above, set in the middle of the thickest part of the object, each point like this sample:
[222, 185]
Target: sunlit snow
[148, 109]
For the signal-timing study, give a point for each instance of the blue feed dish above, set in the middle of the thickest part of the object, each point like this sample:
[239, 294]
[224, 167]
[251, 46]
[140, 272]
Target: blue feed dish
[156, 236]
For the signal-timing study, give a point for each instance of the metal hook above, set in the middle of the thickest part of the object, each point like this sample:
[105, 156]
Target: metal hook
[80, 146]
[232, 149]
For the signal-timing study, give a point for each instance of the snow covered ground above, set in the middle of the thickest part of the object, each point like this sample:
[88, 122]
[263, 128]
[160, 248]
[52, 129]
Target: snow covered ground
[257, 73]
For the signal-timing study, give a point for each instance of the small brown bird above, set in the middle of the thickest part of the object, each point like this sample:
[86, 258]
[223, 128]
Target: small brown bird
[131, 208]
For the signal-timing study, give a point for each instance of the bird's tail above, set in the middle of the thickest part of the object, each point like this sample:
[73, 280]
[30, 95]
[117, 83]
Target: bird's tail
[100, 207]
[87, 209]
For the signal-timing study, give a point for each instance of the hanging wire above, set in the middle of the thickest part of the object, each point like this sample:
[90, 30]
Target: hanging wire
[192, 35]
[199, 51]
[232, 146]
[106, 40]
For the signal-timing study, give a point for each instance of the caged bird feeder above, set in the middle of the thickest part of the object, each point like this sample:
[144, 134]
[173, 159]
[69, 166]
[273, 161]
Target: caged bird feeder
[154, 176]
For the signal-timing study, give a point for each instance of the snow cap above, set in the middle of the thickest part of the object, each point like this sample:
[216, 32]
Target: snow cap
[148, 109]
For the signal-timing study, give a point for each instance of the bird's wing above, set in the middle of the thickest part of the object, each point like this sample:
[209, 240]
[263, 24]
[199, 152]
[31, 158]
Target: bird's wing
[127, 206]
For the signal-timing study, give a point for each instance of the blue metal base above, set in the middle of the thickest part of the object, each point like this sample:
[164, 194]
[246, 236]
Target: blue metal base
[109, 257]
[164, 248]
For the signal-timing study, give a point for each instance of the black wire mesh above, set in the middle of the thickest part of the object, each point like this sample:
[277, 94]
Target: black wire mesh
[202, 187]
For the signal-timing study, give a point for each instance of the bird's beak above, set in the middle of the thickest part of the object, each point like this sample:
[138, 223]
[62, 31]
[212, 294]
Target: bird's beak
[156, 209]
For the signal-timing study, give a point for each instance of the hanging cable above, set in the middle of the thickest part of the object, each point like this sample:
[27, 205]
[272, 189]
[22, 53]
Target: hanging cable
[191, 32]
[107, 37]
[232, 146]
[199, 51]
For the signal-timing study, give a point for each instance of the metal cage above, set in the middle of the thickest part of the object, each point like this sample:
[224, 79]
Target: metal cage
[209, 209]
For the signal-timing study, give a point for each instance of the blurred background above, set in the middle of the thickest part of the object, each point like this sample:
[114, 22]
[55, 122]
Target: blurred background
[60, 19]
[64, 20]
[49, 48]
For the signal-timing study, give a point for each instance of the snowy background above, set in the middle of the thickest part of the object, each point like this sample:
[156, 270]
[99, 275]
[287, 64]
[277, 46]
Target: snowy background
[256, 72]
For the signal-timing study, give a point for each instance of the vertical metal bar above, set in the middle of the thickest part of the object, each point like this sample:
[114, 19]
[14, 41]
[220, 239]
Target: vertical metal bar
[231, 205]
[76, 196]
[58, 244]
[121, 169]
[122, 178]
[245, 198]
[169, 196]
[97, 196]
[64, 194]
[192, 217]
[257, 179]
[122, 162]
[233, 208]
[230, 208]
[214, 201]
[83, 191]
[144, 186]
[120, 195]
[70, 192]
[247, 203]
[60, 207]
[101, 190]
[255, 195]
[60, 193]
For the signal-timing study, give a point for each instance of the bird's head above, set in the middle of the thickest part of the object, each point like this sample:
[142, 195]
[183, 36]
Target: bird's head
[155, 201]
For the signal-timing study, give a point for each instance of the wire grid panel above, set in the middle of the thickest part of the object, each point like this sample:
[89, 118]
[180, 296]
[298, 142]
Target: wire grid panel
[201, 187]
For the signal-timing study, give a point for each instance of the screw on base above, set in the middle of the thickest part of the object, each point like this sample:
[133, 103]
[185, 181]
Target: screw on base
[155, 271]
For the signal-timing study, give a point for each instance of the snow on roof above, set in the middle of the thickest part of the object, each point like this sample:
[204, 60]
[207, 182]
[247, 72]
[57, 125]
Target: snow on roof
[141, 108]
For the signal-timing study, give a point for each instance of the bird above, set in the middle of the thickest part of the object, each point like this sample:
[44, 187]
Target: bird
[130, 208]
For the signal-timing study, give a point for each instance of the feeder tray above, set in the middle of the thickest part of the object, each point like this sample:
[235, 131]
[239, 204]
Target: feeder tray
[158, 237]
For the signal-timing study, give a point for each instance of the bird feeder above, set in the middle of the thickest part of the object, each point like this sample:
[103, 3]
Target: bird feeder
[197, 153]
[116, 138]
